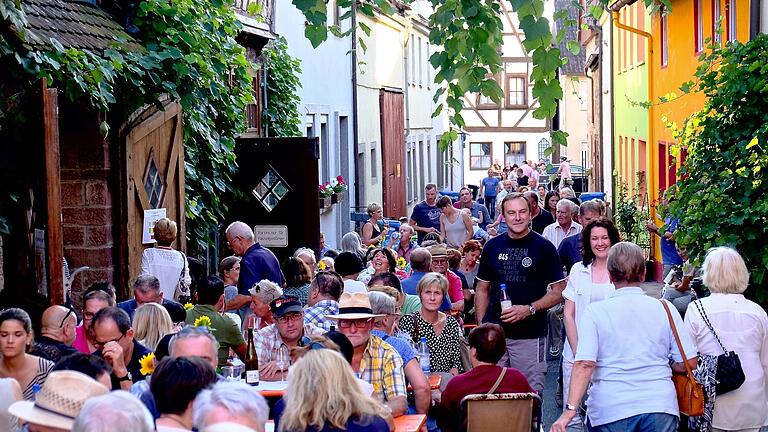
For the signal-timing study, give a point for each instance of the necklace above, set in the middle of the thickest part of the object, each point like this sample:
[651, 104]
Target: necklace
[174, 419]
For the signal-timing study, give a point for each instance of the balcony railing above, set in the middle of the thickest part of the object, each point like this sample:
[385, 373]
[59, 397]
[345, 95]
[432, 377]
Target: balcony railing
[259, 13]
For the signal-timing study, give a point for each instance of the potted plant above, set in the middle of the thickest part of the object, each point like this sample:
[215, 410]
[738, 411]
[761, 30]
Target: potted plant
[339, 187]
[325, 197]
[631, 214]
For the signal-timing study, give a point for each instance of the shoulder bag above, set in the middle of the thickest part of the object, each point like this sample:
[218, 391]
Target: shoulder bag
[729, 374]
[181, 294]
[690, 394]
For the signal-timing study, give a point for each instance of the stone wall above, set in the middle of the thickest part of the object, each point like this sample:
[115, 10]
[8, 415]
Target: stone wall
[87, 197]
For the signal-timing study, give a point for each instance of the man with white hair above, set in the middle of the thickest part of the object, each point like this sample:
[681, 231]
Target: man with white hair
[256, 262]
[230, 402]
[564, 225]
[118, 411]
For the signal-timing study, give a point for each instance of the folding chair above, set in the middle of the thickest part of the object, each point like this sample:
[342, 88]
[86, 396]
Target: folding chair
[502, 412]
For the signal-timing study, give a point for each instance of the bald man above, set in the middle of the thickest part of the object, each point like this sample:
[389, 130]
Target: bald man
[57, 334]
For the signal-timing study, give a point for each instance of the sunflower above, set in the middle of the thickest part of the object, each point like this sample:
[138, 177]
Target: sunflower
[203, 321]
[147, 364]
[321, 266]
[401, 263]
[188, 306]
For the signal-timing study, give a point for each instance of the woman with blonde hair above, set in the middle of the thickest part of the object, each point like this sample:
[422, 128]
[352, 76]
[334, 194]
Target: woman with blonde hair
[726, 321]
[167, 265]
[150, 323]
[372, 232]
[323, 395]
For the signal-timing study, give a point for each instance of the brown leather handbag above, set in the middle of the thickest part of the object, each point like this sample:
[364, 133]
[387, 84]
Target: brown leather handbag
[690, 394]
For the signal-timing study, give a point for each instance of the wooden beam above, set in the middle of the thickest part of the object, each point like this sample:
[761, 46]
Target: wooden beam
[55, 252]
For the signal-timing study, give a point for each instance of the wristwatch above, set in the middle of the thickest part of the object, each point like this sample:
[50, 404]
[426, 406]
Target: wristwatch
[569, 407]
[531, 309]
[127, 377]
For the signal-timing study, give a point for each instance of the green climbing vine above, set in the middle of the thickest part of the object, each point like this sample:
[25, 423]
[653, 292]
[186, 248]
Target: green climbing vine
[187, 50]
[281, 114]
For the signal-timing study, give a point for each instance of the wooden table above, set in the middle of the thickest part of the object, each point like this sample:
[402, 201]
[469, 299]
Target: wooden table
[410, 422]
[272, 388]
[434, 382]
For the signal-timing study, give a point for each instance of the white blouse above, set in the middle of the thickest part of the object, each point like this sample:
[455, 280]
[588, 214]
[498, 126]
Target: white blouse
[166, 265]
[583, 292]
[742, 326]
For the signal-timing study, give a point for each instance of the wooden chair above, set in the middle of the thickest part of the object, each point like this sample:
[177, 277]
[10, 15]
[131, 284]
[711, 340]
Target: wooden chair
[501, 412]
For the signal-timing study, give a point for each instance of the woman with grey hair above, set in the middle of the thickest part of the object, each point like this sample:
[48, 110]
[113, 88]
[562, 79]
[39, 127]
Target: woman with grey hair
[625, 343]
[262, 295]
[118, 411]
[351, 242]
[727, 321]
[230, 402]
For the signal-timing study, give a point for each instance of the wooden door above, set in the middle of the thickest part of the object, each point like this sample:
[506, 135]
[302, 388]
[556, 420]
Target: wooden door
[153, 177]
[391, 109]
[278, 181]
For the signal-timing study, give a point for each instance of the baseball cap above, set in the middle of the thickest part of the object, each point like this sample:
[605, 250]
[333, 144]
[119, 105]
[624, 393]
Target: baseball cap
[284, 305]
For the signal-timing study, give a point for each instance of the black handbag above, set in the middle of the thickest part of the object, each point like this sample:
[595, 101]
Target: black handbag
[729, 374]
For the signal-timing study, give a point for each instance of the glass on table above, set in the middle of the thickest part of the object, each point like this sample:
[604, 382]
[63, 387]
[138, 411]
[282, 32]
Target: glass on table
[228, 372]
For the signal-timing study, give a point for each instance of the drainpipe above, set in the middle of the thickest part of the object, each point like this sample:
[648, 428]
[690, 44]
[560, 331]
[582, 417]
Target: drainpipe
[355, 136]
[651, 146]
[755, 13]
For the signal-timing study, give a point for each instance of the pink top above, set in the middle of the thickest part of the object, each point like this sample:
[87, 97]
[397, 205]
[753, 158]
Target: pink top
[454, 287]
[565, 169]
[81, 342]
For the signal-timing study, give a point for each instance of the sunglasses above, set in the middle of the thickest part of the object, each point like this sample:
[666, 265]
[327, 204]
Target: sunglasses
[70, 311]
[312, 345]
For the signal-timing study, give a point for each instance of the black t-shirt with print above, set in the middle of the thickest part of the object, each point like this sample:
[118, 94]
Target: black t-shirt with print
[526, 265]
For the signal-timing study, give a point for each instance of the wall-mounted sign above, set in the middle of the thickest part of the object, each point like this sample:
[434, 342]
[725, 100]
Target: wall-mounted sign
[150, 217]
[271, 235]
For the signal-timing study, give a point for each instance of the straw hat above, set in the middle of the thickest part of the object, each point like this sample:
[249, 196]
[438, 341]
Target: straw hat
[438, 251]
[59, 400]
[354, 306]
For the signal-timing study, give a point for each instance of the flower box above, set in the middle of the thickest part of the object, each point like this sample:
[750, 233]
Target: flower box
[338, 197]
[325, 204]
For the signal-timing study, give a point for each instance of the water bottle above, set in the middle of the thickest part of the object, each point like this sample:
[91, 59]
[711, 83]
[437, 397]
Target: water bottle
[423, 354]
[506, 303]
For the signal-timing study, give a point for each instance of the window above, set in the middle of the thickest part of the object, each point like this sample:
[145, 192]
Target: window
[428, 67]
[421, 63]
[698, 25]
[641, 26]
[543, 146]
[336, 13]
[516, 91]
[413, 59]
[514, 152]
[485, 101]
[409, 172]
[479, 156]
[374, 163]
[730, 20]
[361, 174]
[422, 181]
[664, 40]
[717, 22]
[325, 150]
[310, 125]
[153, 182]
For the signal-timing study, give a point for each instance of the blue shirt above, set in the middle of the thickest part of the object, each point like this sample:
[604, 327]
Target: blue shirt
[402, 346]
[669, 255]
[570, 251]
[411, 283]
[129, 306]
[489, 186]
[258, 263]
[425, 216]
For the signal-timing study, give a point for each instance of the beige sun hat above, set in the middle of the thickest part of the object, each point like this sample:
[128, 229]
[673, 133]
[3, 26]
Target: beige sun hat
[354, 306]
[60, 399]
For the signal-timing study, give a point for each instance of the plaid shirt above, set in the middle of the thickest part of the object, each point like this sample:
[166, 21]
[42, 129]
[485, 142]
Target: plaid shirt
[267, 341]
[382, 367]
[315, 315]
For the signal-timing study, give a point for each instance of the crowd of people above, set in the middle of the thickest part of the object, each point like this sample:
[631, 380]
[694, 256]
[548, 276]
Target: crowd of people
[359, 334]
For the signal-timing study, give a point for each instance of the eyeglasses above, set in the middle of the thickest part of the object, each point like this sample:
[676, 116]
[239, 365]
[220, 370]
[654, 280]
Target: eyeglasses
[359, 323]
[290, 317]
[70, 311]
[100, 345]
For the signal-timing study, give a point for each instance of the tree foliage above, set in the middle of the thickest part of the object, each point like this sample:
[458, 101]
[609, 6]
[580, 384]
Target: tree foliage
[188, 51]
[722, 196]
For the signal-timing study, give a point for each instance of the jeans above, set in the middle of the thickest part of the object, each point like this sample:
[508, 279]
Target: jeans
[490, 204]
[679, 299]
[652, 422]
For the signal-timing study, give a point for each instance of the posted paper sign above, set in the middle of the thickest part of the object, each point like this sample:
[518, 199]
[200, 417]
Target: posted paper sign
[150, 217]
